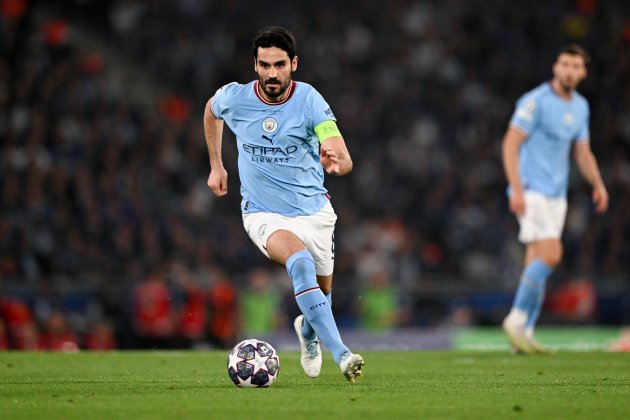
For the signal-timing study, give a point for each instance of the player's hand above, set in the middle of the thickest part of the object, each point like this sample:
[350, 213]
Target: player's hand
[517, 202]
[217, 181]
[600, 198]
[329, 160]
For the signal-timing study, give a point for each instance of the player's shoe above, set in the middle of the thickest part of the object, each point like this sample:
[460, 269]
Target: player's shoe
[518, 338]
[311, 357]
[538, 348]
[350, 365]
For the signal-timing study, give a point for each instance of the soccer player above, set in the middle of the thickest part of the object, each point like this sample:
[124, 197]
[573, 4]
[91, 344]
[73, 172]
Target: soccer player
[286, 137]
[548, 122]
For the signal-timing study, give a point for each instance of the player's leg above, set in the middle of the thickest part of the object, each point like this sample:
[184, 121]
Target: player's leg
[515, 323]
[260, 227]
[311, 353]
[310, 349]
[325, 284]
[541, 227]
[547, 254]
[319, 235]
[320, 241]
[288, 240]
[286, 248]
[540, 260]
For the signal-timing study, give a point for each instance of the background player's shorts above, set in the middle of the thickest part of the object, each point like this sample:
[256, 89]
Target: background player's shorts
[316, 231]
[543, 219]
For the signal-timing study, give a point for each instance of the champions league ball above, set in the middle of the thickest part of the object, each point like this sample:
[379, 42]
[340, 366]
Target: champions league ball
[253, 363]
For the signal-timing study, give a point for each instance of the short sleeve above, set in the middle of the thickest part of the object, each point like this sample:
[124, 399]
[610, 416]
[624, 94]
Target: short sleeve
[220, 100]
[584, 133]
[525, 115]
[320, 110]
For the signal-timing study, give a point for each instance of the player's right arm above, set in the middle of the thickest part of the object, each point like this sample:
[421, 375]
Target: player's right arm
[213, 130]
[510, 148]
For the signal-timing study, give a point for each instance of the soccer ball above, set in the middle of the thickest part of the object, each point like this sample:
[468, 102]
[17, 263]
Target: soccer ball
[253, 363]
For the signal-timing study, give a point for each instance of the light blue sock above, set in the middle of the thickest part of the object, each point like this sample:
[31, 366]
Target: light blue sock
[307, 331]
[530, 294]
[532, 316]
[313, 303]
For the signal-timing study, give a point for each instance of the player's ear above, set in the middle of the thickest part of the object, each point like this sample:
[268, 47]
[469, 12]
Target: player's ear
[294, 63]
[255, 65]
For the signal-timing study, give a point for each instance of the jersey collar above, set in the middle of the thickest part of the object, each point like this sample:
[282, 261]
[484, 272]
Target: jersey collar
[291, 90]
[555, 92]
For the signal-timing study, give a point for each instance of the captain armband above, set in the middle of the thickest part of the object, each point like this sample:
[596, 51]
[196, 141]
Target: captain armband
[326, 130]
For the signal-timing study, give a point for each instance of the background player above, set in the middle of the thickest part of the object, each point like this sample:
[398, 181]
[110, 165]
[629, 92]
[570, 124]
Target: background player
[286, 136]
[548, 121]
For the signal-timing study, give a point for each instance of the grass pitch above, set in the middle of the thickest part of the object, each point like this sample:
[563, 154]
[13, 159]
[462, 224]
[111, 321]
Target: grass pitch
[449, 384]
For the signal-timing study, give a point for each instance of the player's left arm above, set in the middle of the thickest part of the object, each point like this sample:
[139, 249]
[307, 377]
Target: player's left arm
[587, 163]
[333, 152]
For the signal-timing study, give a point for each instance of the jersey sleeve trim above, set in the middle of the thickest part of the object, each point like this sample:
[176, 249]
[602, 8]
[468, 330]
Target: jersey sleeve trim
[518, 128]
[212, 100]
[326, 130]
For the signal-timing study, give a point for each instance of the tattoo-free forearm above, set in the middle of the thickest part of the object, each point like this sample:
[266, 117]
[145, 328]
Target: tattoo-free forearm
[213, 130]
[587, 164]
[510, 149]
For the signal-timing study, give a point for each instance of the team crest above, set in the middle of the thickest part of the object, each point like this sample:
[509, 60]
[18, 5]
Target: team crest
[261, 231]
[269, 125]
[526, 111]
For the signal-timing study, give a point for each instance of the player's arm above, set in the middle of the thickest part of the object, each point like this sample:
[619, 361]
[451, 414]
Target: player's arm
[510, 148]
[587, 164]
[333, 153]
[213, 130]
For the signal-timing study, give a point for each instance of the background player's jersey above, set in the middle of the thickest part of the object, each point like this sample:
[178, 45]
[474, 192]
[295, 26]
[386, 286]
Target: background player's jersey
[278, 151]
[552, 125]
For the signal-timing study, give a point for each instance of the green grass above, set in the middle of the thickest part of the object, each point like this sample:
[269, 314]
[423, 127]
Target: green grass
[449, 384]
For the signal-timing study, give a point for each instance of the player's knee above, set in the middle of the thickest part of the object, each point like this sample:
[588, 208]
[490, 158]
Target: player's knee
[325, 283]
[304, 267]
[554, 255]
[301, 269]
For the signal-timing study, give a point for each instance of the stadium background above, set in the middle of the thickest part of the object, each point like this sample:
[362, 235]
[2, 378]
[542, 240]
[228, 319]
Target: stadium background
[109, 236]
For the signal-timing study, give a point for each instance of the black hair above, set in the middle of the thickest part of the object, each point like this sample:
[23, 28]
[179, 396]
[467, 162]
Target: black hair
[275, 36]
[575, 49]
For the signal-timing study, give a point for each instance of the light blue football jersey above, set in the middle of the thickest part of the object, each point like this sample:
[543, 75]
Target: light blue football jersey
[552, 125]
[278, 151]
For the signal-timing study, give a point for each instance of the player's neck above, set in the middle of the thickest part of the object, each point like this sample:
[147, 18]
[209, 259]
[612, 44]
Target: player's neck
[277, 99]
[562, 91]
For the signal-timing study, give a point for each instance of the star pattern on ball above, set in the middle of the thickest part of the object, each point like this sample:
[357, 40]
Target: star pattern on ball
[259, 362]
[253, 363]
[234, 359]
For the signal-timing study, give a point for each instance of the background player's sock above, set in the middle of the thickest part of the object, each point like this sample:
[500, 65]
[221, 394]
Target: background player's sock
[307, 330]
[530, 294]
[542, 271]
[313, 303]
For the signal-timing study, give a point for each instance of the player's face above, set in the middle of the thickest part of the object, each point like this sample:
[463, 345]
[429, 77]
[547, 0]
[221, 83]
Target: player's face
[569, 70]
[274, 70]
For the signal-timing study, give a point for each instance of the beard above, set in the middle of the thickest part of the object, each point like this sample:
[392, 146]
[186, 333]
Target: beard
[276, 91]
[568, 84]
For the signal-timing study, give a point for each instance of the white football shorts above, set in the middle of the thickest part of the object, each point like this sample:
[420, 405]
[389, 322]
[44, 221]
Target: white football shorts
[543, 219]
[316, 231]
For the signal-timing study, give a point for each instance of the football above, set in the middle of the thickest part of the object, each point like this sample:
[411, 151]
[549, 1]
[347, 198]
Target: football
[253, 363]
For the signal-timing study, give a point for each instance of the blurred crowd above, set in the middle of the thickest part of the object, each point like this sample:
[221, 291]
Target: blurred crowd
[103, 193]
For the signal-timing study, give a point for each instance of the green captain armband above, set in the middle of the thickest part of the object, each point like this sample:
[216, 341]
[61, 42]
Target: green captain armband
[326, 130]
